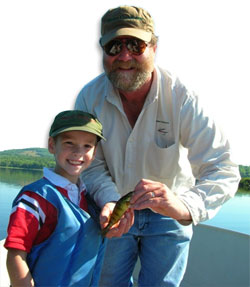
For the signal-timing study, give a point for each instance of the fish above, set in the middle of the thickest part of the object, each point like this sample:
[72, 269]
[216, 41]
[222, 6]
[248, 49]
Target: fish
[121, 207]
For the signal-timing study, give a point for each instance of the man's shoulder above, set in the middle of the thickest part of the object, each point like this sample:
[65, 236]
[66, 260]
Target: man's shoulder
[97, 81]
[168, 76]
[181, 91]
[94, 89]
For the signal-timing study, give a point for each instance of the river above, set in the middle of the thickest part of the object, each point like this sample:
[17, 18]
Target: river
[234, 215]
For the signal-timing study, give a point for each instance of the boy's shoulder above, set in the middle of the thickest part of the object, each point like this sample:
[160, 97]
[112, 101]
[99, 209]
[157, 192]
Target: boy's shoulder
[36, 184]
[40, 186]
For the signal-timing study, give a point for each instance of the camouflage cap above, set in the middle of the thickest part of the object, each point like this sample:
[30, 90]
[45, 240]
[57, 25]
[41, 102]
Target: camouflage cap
[126, 21]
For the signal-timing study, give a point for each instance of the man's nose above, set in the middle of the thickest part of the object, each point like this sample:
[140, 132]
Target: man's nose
[124, 55]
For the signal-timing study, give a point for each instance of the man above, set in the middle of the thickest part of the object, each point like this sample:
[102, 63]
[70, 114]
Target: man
[162, 145]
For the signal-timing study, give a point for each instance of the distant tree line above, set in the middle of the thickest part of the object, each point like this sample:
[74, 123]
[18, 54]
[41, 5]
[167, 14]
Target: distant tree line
[245, 183]
[37, 158]
[29, 158]
[26, 162]
[244, 171]
[245, 178]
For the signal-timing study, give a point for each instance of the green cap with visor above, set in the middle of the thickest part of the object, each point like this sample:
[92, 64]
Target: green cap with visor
[75, 120]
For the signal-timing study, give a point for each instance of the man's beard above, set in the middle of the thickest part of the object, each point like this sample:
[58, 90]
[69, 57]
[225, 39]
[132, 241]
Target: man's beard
[126, 81]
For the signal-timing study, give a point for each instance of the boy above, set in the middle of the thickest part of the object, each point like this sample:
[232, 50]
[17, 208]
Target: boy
[52, 240]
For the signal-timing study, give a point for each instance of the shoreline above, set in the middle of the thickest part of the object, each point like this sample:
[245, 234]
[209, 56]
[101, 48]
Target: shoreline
[22, 168]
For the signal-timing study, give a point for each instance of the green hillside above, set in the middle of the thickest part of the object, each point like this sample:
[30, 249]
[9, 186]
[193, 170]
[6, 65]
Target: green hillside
[37, 158]
[29, 158]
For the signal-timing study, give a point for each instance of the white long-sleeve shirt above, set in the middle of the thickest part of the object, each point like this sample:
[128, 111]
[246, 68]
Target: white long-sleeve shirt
[173, 142]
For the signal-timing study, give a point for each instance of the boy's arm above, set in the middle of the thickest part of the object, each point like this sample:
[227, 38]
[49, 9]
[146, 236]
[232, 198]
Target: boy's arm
[18, 269]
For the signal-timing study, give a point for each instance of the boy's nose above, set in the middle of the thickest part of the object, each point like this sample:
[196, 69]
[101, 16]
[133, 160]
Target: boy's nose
[77, 150]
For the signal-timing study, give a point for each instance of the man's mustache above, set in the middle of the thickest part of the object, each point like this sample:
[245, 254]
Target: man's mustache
[124, 65]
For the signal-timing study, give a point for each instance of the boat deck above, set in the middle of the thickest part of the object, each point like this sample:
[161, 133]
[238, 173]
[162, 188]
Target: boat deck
[218, 258]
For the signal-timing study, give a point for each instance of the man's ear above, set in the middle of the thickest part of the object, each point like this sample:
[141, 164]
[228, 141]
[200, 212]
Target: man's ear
[51, 145]
[154, 48]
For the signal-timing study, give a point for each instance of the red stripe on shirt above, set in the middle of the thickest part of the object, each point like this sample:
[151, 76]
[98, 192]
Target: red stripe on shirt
[23, 229]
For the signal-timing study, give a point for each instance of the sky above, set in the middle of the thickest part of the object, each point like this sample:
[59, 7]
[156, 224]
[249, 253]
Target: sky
[49, 50]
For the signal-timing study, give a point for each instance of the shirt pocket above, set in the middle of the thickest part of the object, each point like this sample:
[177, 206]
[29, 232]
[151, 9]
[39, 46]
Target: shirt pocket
[162, 162]
[164, 136]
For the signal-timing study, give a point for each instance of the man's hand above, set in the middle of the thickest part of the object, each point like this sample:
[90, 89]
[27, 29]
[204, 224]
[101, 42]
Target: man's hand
[159, 198]
[122, 226]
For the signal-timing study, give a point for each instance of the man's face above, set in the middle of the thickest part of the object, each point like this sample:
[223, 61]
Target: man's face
[127, 71]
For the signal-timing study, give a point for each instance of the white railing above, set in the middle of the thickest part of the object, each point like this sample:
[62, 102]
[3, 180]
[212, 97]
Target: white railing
[4, 278]
[218, 258]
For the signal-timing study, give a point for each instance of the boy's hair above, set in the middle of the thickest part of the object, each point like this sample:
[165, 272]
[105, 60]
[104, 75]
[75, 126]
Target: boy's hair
[75, 120]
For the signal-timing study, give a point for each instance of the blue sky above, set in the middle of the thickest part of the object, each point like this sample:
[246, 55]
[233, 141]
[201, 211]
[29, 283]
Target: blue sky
[49, 50]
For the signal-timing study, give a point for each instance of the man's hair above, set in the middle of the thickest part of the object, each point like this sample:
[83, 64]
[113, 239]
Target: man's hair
[153, 40]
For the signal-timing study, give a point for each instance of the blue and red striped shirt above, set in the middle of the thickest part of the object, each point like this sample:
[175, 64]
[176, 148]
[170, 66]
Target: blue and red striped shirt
[33, 218]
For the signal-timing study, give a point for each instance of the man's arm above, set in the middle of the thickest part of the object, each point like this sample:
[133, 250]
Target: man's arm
[209, 154]
[96, 177]
[101, 186]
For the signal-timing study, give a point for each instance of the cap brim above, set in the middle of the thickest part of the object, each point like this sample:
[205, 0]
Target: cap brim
[137, 33]
[83, 129]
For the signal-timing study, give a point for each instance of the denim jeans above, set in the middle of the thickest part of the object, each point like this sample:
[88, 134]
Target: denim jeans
[161, 243]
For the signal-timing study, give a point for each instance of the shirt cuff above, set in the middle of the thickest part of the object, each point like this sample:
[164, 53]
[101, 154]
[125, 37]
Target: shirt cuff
[104, 196]
[196, 207]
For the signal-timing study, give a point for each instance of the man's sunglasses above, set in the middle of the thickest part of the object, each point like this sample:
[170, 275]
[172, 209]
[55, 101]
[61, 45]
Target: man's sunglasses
[134, 46]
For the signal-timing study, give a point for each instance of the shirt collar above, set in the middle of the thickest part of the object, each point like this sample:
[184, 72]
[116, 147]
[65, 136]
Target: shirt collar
[61, 181]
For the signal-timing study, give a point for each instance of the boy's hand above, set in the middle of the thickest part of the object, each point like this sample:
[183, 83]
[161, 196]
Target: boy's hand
[122, 226]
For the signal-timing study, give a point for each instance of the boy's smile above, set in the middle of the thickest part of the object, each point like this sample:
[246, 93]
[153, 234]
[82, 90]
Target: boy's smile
[74, 162]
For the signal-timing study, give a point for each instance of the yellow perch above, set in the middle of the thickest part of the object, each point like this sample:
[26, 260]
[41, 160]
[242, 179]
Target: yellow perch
[120, 208]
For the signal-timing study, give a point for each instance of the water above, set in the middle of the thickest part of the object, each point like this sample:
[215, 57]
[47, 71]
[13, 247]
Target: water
[234, 214]
[11, 182]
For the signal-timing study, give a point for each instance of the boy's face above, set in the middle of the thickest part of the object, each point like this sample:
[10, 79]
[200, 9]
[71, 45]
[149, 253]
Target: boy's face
[74, 152]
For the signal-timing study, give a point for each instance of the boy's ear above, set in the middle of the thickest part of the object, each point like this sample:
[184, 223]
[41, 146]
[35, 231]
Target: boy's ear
[95, 151]
[51, 145]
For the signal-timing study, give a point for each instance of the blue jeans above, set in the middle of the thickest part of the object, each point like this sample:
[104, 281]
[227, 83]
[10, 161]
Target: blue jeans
[162, 245]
